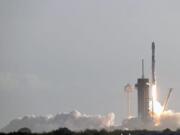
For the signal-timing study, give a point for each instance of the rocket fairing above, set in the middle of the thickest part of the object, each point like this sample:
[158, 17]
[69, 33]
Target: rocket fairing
[153, 63]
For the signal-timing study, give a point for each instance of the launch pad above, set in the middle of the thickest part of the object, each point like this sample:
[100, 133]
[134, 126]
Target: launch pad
[148, 107]
[143, 99]
[142, 86]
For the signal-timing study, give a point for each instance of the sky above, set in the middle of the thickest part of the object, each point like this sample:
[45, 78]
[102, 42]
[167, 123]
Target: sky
[59, 55]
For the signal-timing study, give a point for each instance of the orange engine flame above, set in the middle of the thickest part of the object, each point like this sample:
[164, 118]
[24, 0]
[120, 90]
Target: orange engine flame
[156, 108]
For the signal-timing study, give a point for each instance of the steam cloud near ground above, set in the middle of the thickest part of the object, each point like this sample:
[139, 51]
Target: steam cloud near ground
[167, 119]
[170, 119]
[77, 121]
[74, 121]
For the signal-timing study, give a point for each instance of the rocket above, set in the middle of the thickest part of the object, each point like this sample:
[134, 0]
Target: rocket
[153, 64]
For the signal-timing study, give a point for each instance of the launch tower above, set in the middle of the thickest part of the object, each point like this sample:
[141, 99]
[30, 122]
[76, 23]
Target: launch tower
[143, 96]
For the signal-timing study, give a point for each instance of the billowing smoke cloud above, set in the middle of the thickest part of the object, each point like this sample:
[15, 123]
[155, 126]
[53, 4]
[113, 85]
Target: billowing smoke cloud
[77, 121]
[167, 119]
[73, 120]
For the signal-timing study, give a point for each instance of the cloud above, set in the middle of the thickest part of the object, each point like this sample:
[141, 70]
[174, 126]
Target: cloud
[170, 119]
[73, 120]
[167, 119]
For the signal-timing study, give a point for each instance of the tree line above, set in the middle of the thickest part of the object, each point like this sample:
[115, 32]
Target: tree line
[65, 131]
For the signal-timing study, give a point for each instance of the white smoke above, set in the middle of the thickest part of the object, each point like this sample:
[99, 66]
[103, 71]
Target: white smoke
[74, 121]
[170, 119]
[167, 119]
[77, 121]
